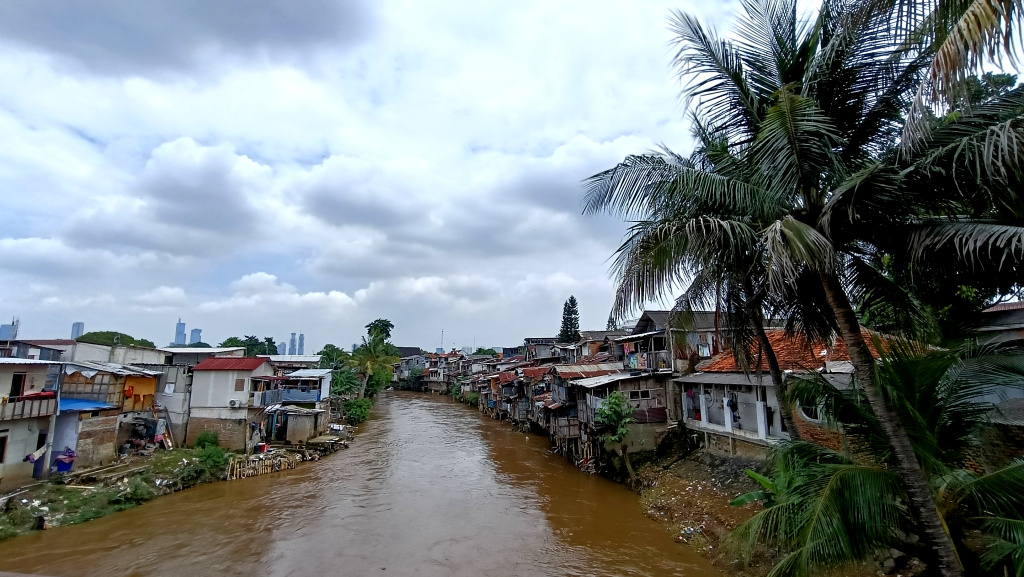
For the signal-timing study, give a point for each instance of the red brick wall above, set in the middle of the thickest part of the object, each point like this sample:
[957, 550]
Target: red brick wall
[817, 433]
[97, 441]
[230, 434]
[1001, 444]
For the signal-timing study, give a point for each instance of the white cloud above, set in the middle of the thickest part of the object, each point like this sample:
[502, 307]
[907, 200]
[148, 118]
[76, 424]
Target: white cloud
[409, 160]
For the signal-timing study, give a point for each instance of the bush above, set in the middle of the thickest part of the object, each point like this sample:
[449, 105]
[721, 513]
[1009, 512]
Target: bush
[207, 439]
[472, 398]
[210, 463]
[137, 491]
[357, 410]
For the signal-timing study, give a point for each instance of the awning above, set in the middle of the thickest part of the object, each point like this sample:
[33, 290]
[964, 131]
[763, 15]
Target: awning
[639, 336]
[82, 405]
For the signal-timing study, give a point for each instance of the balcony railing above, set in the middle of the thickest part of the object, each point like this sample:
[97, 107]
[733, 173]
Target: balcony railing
[26, 408]
[652, 360]
[265, 398]
[300, 396]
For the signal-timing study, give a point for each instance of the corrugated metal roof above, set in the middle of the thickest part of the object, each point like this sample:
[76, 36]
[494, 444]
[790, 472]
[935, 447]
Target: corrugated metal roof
[50, 342]
[535, 372]
[591, 367]
[200, 350]
[592, 382]
[17, 361]
[113, 368]
[314, 373]
[639, 336]
[230, 364]
[291, 358]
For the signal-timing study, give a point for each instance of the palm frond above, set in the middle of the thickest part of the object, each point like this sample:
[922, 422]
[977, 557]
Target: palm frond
[974, 242]
[791, 244]
[1007, 547]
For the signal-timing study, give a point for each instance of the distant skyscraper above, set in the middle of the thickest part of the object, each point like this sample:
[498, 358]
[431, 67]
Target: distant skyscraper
[77, 330]
[195, 336]
[291, 345]
[302, 343]
[179, 333]
[282, 348]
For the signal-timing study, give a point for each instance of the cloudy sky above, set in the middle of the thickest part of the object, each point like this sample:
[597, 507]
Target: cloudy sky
[273, 166]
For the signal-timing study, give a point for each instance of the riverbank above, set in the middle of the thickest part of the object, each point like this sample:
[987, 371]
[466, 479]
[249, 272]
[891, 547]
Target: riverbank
[70, 499]
[691, 498]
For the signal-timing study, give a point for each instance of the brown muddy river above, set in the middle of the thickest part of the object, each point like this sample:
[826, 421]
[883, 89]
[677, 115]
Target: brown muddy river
[428, 488]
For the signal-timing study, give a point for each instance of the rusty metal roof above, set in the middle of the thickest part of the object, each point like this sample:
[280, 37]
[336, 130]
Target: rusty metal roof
[230, 364]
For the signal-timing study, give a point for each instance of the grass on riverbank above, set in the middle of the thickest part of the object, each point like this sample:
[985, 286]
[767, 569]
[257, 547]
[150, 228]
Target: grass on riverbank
[56, 503]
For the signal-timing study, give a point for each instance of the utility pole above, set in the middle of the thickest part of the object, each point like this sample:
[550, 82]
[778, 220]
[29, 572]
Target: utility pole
[52, 431]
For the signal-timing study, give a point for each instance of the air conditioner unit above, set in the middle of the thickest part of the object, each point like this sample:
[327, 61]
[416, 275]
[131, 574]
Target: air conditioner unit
[234, 403]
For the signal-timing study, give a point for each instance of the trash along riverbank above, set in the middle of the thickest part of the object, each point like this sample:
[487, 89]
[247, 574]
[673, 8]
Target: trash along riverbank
[80, 496]
[690, 497]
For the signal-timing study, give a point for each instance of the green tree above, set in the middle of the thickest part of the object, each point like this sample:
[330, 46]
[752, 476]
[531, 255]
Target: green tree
[111, 338]
[616, 414]
[332, 357]
[490, 352]
[382, 327]
[345, 382]
[371, 357]
[816, 172]
[253, 345]
[199, 345]
[232, 342]
[570, 331]
[611, 325]
[824, 509]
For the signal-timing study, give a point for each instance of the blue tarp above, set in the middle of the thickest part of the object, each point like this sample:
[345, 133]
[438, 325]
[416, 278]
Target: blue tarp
[67, 405]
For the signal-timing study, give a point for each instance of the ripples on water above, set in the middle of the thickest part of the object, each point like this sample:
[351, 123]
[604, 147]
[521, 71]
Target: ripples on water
[429, 487]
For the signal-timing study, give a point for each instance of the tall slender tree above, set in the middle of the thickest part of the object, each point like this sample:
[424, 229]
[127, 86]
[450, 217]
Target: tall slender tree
[570, 331]
[813, 112]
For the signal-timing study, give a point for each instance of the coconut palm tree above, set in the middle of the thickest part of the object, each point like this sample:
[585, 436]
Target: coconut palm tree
[373, 354]
[813, 111]
[825, 508]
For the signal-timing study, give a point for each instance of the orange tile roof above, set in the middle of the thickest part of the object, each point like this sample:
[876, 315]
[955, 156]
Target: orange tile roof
[793, 352]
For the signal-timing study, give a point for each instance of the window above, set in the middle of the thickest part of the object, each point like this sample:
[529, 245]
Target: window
[642, 394]
[3, 448]
[239, 384]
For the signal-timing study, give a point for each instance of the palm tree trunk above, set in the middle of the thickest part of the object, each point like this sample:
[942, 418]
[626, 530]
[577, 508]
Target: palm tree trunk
[778, 379]
[362, 387]
[922, 502]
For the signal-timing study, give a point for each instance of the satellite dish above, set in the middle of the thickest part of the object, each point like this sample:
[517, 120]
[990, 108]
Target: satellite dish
[169, 388]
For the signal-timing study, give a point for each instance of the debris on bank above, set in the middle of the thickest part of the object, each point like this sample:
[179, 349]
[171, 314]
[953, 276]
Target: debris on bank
[72, 498]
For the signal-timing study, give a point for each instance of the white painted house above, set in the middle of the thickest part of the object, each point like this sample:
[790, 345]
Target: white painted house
[228, 394]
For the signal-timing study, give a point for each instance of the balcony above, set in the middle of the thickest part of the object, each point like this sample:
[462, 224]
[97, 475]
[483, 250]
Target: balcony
[310, 395]
[265, 398]
[651, 361]
[26, 407]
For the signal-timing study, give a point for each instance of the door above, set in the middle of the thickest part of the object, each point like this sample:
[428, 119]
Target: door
[18, 384]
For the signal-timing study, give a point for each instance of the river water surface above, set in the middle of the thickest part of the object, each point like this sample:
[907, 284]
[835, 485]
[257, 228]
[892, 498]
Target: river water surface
[429, 487]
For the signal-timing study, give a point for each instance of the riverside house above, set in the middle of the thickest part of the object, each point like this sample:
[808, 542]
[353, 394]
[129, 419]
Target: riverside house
[114, 395]
[227, 395]
[25, 410]
[738, 412]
